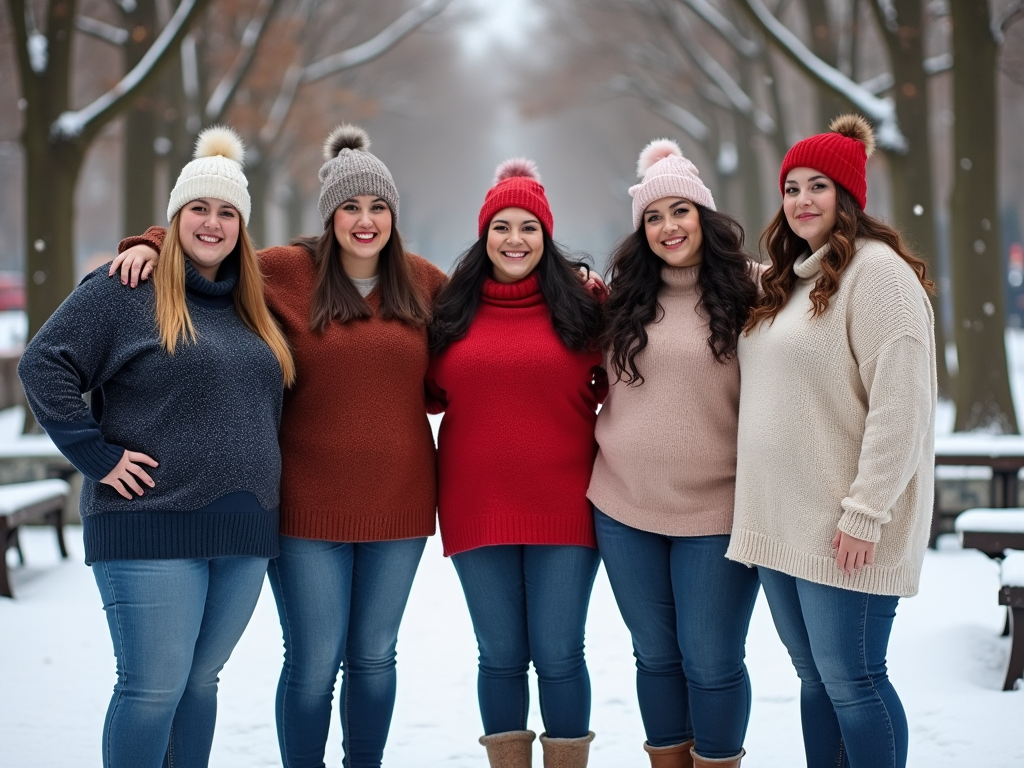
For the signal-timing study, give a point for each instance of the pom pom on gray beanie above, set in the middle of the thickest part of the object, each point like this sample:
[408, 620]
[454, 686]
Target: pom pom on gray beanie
[351, 170]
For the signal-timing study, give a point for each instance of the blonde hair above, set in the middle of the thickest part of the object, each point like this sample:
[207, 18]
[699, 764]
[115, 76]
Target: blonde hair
[172, 318]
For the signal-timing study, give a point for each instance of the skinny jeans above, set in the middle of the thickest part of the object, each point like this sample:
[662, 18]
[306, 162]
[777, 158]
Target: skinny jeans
[340, 606]
[173, 624]
[528, 603]
[688, 610]
[837, 639]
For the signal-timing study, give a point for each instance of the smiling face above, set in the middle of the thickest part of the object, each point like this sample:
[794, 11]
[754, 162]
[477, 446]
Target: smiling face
[208, 231]
[809, 202]
[515, 244]
[362, 227]
[672, 226]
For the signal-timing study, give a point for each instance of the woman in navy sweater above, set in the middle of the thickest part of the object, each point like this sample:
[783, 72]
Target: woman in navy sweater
[179, 452]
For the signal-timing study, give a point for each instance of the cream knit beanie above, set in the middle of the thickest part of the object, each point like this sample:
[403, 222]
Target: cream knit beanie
[351, 170]
[666, 173]
[215, 172]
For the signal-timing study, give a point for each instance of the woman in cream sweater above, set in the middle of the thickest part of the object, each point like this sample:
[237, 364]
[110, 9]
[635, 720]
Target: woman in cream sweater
[663, 483]
[834, 476]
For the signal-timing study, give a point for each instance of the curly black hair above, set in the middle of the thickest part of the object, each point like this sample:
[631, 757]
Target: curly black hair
[725, 281]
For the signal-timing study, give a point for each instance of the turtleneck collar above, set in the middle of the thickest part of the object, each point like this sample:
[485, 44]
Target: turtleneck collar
[522, 293]
[217, 293]
[808, 266]
[679, 280]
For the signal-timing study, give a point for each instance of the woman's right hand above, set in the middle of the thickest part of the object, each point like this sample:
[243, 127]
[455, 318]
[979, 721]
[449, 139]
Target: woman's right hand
[126, 472]
[135, 264]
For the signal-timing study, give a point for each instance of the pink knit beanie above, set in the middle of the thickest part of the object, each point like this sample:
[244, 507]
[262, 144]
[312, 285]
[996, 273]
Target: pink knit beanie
[516, 185]
[666, 173]
[841, 154]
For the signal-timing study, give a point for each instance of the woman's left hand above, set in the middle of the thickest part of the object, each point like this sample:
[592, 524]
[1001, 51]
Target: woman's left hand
[594, 284]
[852, 554]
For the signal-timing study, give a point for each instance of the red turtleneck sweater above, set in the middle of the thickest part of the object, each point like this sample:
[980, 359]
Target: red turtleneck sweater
[516, 445]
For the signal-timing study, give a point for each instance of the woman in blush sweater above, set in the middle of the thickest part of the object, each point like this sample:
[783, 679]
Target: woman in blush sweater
[835, 465]
[516, 370]
[664, 478]
[358, 487]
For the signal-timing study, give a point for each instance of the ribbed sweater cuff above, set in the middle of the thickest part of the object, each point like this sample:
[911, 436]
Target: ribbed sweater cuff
[860, 522]
[330, 525]
[490, 530]
[83, 445]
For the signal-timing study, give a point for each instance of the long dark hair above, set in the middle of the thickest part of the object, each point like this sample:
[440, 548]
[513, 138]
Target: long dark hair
[336, 297]
[725, 282]
[574, 312]
[784, 247]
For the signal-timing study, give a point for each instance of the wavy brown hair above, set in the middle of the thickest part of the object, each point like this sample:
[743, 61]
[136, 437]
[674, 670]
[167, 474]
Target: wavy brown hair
[335, 296]
[783, 248]
[725, 283]
[174, 324]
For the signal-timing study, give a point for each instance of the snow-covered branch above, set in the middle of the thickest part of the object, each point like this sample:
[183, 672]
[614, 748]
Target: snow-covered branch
[228, 86]
[881, 111]
[73, 124]
[933, 65]
[715, 19]
[681, 118]
[376, 46]
[35, 43]
[887, 12]
[298, 75]
[101, 29]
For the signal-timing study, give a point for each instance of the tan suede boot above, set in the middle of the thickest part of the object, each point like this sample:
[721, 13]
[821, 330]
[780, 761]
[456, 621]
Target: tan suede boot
[675, 756]
[511, 749]
[566, 753]
[721, 762]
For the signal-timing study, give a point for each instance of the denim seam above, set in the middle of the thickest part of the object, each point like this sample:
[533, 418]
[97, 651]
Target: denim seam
[283, 731]
[120, 636]
[871, 680]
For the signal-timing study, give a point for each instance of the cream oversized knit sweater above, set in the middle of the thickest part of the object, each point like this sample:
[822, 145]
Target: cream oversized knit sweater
[837, 427]
[666, 460]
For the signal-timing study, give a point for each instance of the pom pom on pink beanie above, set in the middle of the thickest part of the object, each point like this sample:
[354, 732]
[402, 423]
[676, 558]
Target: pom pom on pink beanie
[666, 173]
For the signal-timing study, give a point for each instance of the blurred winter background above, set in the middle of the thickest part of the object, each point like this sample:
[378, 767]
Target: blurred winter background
[100, 101]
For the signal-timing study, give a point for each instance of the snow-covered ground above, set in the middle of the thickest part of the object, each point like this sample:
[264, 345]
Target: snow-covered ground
[946, 659]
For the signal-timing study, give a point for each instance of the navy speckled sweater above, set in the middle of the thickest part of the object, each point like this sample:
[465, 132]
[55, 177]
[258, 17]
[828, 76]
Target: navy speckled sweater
[209, 414]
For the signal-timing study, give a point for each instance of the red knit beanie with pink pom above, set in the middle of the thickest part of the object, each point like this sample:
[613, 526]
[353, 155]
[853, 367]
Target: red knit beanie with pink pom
[841, 154]
[517, 185]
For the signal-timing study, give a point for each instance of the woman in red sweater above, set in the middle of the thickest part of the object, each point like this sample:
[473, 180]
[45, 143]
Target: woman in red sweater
[358, 489]
[516, 370]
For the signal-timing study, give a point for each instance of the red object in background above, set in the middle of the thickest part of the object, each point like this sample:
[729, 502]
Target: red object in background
[12, 291]
[1016, 256]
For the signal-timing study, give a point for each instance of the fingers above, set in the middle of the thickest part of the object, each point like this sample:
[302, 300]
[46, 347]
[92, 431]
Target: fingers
[128, 479]
[136, 271]
[120, 489]
[141, 458]
[126, 269]
[140, 473]
[869, 556]
[147, 270]
[115, 264]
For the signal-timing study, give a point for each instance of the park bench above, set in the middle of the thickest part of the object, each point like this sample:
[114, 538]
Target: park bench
[1002, 454]
[41, 501]
[999, 533]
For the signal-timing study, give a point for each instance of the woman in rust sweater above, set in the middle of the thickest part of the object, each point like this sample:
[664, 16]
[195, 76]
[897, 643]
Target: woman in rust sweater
[358, 488]
[514, 337]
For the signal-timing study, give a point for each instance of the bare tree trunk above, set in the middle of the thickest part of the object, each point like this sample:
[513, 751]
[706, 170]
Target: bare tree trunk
[823, 43]
[140, 128]
[258, 173]
[913, 184]
[750, 173]
[983, 398]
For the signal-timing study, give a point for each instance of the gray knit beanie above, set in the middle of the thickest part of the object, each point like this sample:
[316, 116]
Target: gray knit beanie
[215, 172]
[351, 170]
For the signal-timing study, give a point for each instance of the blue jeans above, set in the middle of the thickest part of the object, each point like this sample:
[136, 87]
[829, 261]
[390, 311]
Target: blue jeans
[837, 639]
[173, 624]
[529, 602]
[340, 606]
[688, 610]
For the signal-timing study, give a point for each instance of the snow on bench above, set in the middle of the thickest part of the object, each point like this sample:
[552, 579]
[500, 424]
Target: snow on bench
[1012, 571]
[40, 501]
[990, 520]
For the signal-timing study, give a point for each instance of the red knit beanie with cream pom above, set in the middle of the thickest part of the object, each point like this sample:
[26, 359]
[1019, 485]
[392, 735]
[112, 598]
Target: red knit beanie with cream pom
[517, 185]
[841, 154]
